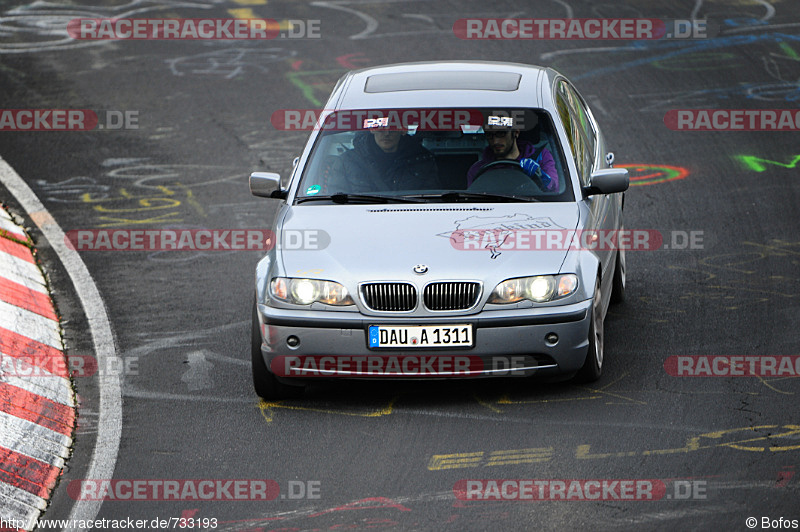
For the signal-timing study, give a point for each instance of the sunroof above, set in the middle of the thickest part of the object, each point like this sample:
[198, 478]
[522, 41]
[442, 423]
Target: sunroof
[460, 80]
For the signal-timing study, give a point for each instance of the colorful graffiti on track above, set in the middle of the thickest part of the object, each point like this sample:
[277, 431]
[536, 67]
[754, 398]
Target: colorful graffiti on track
[758, 164]
[647, 174]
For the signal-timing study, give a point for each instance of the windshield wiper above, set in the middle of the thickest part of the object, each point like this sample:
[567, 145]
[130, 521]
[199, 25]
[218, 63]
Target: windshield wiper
[343, 198]
[455, 197]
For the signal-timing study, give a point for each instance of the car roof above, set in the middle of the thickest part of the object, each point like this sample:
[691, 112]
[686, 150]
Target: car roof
[443, 84]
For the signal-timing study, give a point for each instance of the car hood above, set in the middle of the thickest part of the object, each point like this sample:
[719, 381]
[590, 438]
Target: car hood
[385, 242]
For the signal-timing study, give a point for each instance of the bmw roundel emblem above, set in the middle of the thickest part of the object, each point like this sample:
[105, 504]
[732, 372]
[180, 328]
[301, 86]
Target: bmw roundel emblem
[420, 269]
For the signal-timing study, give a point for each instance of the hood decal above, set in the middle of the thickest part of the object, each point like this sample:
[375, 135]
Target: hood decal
[492, 231]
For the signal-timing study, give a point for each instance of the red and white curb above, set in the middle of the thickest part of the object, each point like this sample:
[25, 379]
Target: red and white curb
[37, 403]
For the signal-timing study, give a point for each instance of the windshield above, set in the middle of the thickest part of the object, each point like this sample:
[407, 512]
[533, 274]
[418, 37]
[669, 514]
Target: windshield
[511, 154]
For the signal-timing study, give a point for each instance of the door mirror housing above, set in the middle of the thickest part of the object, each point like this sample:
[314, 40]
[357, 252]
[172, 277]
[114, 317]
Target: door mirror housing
[608, 181]
[266, 185]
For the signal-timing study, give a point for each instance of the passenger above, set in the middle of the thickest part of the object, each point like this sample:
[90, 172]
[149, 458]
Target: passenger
[505, 144]
[386, 159]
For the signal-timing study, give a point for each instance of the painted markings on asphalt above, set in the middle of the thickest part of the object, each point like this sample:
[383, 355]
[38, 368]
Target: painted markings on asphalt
[760, 438]
[519, 456]
[784, 476]
[611, 397]
[498, 405]
[491, 458]
[268, 407]
[506, 400]
[198, 375]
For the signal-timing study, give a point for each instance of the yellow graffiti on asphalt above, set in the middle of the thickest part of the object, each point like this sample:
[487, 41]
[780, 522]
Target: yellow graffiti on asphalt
[492, 458]
[115, 214]
[768, 384]
[506, 400]
[791, 431]
[592, 394]
[694, 443]
[267, 409]
[486, 404]
[741, 439]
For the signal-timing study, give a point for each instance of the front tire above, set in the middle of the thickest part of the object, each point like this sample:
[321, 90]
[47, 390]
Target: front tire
[265, 383]
[593, 366]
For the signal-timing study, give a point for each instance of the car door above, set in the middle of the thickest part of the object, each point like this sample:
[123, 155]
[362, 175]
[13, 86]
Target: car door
[583, 139]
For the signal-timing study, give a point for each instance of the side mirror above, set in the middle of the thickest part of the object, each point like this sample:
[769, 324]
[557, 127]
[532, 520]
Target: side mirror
[608, 181]
[266, 185]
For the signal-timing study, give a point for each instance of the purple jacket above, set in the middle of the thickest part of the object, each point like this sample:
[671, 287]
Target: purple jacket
[526, 150]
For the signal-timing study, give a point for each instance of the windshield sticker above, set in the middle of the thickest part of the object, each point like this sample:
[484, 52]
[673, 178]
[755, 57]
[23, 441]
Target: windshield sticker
[502, 121]
[313, 189]
[376, 122]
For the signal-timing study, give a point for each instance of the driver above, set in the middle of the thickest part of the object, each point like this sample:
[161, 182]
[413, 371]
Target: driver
[504, 144]
[386, 158]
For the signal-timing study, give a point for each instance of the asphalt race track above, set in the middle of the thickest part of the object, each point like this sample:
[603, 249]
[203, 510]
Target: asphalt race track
[195, 120]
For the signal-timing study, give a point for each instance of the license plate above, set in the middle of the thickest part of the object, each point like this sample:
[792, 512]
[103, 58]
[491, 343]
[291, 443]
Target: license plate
[420, 336]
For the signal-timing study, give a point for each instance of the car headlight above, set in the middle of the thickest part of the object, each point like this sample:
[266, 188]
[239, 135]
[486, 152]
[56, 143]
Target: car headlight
[539, 289]
[308, 291]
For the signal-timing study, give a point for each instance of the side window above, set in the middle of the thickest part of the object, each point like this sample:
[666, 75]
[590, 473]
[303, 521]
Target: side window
[575, 123]
[585, 122]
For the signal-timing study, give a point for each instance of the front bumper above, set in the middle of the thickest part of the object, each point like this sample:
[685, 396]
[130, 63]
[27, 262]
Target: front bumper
[506, 342]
